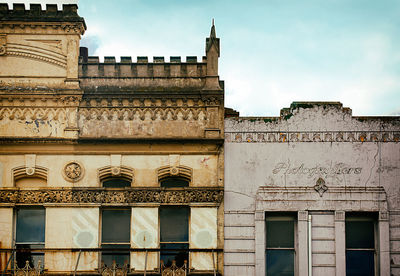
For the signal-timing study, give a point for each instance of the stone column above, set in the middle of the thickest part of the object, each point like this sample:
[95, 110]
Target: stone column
[302, 234]
[340, 242]
[384, 244]
[260, 242]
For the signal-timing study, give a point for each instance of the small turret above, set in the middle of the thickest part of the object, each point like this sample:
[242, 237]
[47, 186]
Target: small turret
[212, 55]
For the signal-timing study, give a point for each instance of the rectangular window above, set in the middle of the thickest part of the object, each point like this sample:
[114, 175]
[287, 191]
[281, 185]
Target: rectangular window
[174, 234]
[360, 244]
[280, 244]
[30, 234]
[115, 236]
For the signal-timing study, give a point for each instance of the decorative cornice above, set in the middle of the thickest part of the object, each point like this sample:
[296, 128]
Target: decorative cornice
[312, 136]
[112, 196]
[74, 28]
[33, 113]
[130, 114]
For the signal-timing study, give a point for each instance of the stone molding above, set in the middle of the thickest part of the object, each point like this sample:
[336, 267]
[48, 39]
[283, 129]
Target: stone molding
[31, 27]
[112, 196]
[350, 198]
[171, 171]
[312, 136]
[34, 171]
[124, 172]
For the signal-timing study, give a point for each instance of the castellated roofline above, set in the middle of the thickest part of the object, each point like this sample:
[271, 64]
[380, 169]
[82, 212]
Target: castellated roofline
[142, 68]
[35, 13]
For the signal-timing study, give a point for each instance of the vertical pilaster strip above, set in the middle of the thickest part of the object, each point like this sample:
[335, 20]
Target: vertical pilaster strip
[340, 242]
[302, 236]
[384, 244]
[260, 242]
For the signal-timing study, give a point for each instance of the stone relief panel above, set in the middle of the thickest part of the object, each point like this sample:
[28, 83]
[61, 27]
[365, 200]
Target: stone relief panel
[322, 136]
[73, 171]
[125, 196]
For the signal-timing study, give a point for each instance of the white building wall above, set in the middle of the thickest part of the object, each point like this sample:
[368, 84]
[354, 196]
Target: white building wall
[273, 164]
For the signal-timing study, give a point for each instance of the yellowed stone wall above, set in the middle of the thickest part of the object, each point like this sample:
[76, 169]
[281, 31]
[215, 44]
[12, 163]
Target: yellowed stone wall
[65, 127]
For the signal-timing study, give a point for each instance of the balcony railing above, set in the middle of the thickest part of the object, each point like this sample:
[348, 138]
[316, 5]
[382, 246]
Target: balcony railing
[171, 269]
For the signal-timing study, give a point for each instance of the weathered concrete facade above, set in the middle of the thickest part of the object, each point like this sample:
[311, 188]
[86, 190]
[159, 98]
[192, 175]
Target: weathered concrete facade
[321, 165]
[69, 126]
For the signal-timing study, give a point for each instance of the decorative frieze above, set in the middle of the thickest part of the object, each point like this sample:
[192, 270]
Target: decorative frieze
[112, 196]
[312, 136]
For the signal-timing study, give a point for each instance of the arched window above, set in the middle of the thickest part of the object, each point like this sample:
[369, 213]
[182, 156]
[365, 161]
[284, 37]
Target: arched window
[174, 182]
[116, 183]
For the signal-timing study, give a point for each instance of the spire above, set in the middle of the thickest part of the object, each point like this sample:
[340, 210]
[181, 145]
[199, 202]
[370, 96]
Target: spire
[212, 33]
[212, 40]
[212, 55]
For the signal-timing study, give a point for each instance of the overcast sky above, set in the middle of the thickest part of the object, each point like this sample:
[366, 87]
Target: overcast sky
[273, 52]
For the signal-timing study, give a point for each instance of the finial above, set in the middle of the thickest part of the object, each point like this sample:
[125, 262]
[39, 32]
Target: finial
[212, 33]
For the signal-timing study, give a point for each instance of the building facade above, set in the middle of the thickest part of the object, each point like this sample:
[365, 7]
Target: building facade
[312, 192]
[106, 164]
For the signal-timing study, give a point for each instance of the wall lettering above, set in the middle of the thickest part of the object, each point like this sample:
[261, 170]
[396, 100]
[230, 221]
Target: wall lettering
[335, 169]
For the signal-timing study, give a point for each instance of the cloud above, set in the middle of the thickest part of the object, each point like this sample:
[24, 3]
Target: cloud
[92, 42]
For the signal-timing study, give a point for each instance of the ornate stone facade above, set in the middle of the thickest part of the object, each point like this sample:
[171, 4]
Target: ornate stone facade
[80, 138]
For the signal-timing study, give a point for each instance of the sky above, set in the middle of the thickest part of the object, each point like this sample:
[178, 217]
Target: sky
[273, 52]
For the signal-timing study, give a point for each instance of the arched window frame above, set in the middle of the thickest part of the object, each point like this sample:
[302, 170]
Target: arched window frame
[121, 172]
[179, 172]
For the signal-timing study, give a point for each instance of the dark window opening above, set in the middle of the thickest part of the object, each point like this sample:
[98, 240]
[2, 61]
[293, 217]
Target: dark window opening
[116, 183]
[174, 182]
[115, 236]
[360, 244]
[174, 234]
[280, 245]
[30, 234]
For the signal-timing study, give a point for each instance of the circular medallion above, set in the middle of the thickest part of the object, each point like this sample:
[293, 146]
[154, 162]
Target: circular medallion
[73, 171]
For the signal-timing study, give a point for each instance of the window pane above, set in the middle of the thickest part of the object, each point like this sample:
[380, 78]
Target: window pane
[359, 263]
[30, 225]
[360, 234]
[175, 251]
[174, 183]
[116, 225]
[280, 233]
[280, 262]
[117, 254]
[116, 183]
[174, 224]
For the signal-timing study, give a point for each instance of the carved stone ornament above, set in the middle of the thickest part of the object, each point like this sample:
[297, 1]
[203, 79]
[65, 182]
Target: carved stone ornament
[320, 186]
[114, 196]
[73, 171]
[317, 137]
[3, 43]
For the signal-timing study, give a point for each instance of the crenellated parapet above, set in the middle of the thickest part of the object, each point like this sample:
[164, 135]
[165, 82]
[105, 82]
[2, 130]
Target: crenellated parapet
[159, 68]
[20, 19]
